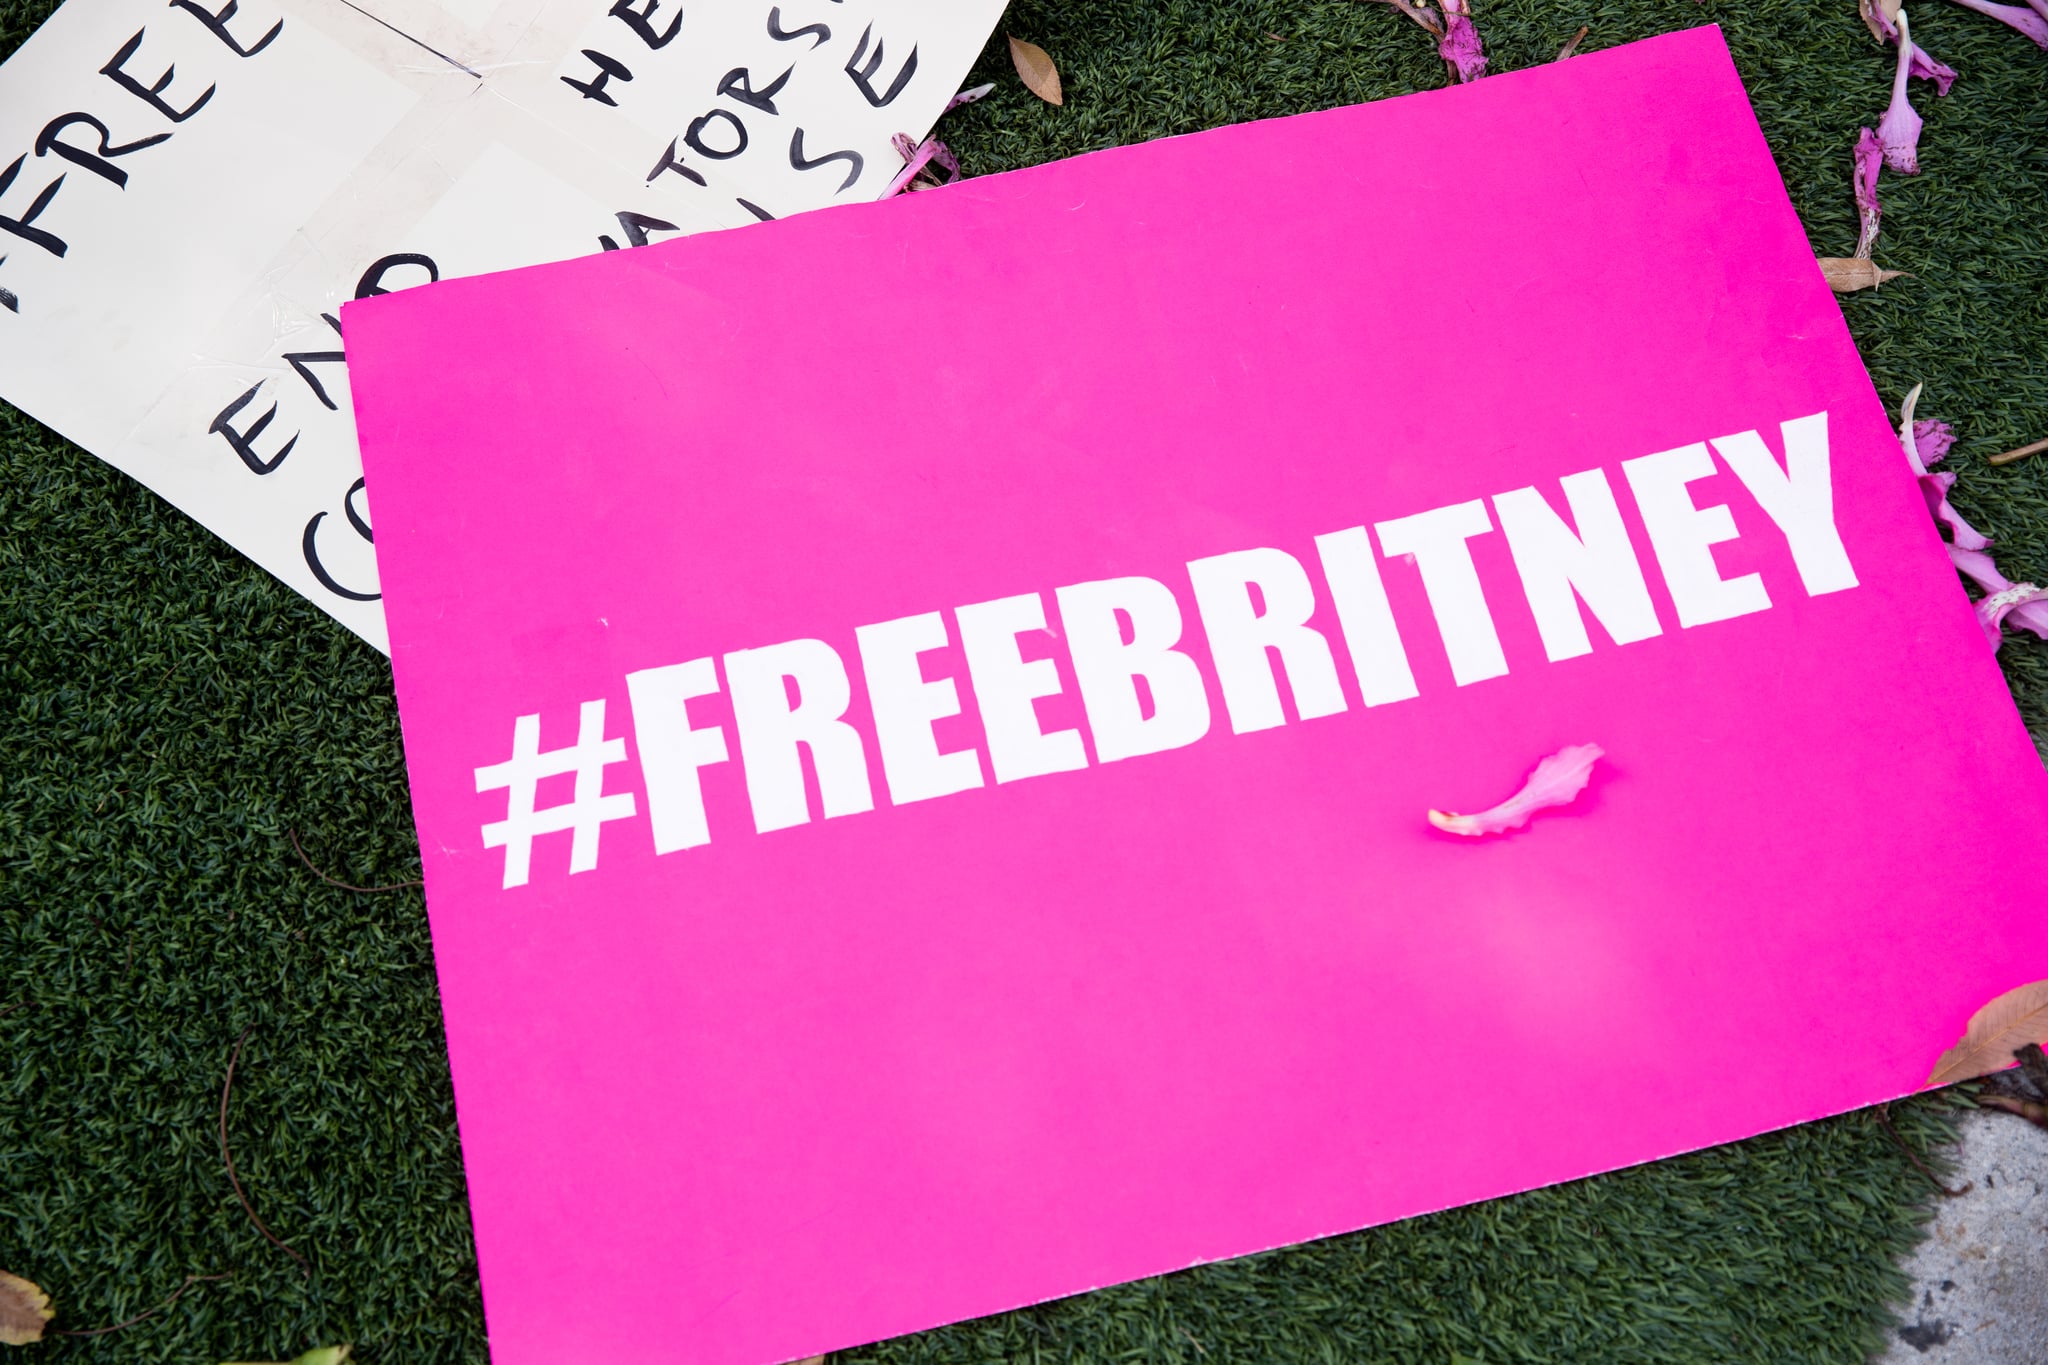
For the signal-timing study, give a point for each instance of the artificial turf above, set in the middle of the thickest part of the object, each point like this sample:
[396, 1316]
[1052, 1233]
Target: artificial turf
[168, 714]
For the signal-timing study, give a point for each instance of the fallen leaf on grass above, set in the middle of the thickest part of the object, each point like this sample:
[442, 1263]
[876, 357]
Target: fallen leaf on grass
[24, 1311]
[1878, 16]
[1847, 274]
[319, 1355]
[1573, 46]
[2001, 1028]
[1557, 781]
[1036, 70]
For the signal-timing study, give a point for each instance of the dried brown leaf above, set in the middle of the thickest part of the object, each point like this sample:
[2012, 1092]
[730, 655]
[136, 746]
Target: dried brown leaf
[24, 1311]
[2029, 1110]
[2001, 1028]
[1036, 70]
[1870, 10]
[1847, 274]
[1573, 46]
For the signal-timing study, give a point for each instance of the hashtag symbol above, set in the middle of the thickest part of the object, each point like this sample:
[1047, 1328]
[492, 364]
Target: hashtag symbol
[587, 807]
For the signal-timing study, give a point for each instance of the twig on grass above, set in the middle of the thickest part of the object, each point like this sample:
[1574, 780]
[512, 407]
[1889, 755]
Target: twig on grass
[2033, 448]
[293, 835]
[190, 1280]
[1884, 1117]
[228, 1158]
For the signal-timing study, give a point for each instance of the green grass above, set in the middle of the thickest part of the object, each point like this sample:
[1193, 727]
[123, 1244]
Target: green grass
[168, 713]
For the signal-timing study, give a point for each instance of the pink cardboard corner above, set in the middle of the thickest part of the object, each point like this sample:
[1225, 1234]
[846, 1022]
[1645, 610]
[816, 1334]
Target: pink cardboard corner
[994, 651]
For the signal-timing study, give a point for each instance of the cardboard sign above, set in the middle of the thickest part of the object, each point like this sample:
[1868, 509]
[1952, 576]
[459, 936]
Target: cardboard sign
[921, 716]
[195, 189]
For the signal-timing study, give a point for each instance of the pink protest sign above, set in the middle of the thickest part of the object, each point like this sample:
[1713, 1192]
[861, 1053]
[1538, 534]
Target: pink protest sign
[921, 716]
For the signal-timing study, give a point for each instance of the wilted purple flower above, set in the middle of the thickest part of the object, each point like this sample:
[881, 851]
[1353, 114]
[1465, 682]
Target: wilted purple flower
[1928, 69]
[2025, 604]
[1460, 44]
[1932, 440]
[1924, 65]
[2028, 20]
[1898, 132]
[1977, 566]
[918, 157]
[2017, 601]
[1869, 161]
[1935, 487]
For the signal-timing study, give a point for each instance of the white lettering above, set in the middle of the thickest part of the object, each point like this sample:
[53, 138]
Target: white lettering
[904, 706]
[1365, 617]
[1800, 498]
[1005, 688]
[1597, 563]
[1107, 669]
[770, 729]
[1437, 538]
[671, 752]
[1240, 636]
[1684, 536]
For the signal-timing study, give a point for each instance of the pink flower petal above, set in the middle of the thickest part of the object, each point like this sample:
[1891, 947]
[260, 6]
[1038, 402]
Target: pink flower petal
[918, 156]
[966, 97]
[1460, 44]
[1978, 566]
[2023, 604]
[1932, 440]
[1935, 487]
[2027, 21]
[1898, 132]
[1557, 781]
[2033, 615]
[1928, 69]
[1993, 609]
[1924, 66]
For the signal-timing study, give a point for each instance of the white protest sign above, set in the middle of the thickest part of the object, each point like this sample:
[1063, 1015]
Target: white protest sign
[189, 193]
